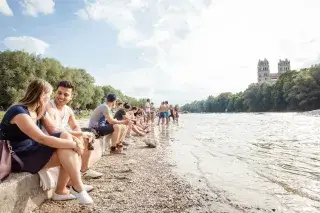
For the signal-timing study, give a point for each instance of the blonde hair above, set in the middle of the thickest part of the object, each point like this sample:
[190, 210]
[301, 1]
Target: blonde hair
[35, 90]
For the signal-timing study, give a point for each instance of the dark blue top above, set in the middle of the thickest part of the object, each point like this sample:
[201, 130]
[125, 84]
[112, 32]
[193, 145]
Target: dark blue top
[19, 141]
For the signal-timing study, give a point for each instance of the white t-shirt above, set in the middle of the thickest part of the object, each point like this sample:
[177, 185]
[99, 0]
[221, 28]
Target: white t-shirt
[63, 121]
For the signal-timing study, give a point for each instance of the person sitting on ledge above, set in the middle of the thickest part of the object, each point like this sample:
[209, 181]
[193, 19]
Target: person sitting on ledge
[135, 127]
[139, 117]
[104, 124]
[22, 124]
[121, 115]
[65, 119]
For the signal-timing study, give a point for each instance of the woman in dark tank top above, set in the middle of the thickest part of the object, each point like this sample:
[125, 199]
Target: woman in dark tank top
[22, 124]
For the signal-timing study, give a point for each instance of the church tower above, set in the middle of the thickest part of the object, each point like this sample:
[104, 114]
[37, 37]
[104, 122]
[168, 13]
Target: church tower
[283, 66]
[263, 71]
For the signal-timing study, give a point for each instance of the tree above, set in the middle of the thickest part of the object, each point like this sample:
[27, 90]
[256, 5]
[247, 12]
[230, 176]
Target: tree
[298, 91]
[18, 68]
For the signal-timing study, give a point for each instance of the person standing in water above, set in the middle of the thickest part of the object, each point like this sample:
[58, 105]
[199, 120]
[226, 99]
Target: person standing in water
[176, 112]
[162, 110]
[167, 112]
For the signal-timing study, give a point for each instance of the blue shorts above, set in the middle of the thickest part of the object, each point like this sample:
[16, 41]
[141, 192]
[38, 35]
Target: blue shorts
[162, 115]
[166, 114]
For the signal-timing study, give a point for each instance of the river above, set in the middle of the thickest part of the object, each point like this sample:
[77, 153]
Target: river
[250, 162]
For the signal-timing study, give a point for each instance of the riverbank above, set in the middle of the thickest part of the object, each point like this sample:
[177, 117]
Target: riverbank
[140, 181]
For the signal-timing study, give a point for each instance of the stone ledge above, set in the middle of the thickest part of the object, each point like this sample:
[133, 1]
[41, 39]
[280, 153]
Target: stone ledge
[21, 192]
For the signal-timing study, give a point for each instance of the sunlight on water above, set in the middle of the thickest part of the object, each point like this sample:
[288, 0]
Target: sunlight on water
[251, 162]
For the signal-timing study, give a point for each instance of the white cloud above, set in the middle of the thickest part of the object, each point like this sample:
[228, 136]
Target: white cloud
[5, 8]
[203, 48]
[26, 43]
[34, 7]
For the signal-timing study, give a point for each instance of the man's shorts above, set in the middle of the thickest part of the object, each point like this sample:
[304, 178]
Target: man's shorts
[100, 131]
[162, 115]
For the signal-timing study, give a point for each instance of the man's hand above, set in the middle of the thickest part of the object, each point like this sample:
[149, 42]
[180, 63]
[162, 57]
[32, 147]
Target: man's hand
[126, 121]
[80, 145]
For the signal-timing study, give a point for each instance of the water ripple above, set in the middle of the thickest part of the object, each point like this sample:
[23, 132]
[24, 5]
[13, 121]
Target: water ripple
[267, 161]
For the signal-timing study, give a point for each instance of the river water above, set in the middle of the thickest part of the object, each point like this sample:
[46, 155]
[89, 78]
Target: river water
[250, 162]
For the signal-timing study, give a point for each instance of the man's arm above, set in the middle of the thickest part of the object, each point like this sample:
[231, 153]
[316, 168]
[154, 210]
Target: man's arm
[74, 125]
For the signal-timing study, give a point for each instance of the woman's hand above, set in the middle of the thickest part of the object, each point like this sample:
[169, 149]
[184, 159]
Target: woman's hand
[79, 145]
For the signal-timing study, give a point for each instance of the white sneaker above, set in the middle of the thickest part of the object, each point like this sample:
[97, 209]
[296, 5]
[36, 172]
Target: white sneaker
[83, 197]
[92, 174]
[58, 197]
[88, 188]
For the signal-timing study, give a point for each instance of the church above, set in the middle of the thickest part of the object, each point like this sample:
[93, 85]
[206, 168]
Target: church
[264, 74]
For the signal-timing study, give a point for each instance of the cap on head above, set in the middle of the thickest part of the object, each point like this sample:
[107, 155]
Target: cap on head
[111, 97]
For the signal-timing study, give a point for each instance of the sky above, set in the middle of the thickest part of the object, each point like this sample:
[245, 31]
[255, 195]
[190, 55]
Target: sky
[174, 50]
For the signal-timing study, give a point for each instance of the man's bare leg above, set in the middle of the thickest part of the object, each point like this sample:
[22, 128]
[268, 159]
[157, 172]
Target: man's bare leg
[86, 172]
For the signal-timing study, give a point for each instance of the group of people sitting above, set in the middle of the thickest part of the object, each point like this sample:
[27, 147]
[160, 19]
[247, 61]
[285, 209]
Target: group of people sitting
[44, 133]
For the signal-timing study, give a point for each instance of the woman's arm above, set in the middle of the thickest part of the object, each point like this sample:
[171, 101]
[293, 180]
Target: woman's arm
[49, 124]
[27, 125]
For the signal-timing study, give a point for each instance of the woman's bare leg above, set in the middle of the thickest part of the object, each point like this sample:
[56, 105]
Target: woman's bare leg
[64, 162]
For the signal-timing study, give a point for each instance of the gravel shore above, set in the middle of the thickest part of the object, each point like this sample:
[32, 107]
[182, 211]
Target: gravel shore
[140, 181]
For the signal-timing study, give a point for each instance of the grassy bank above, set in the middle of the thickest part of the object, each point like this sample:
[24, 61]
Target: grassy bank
[83, 114]
[1, 115]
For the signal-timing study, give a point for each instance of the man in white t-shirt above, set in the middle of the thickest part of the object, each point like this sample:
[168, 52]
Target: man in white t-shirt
[148, 110]
[65, 119]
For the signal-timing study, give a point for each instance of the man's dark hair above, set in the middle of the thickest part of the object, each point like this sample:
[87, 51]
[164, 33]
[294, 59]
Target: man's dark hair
[152, 103]
[126, 106]
[133, 108]
[119, 103]
[166, 102]
[111, 97]
[148, 100]
[65, 84]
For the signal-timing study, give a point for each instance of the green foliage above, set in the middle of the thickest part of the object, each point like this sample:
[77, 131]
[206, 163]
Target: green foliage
[293, 91]
[123, 98]
[18, 68]
[1, 115]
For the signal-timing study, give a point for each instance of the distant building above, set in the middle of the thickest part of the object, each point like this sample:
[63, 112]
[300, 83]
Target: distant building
[263, 71]
[264, 74]
[283, 66]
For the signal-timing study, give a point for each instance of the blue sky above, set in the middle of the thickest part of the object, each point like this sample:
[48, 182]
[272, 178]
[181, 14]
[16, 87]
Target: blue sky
[178, 50]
